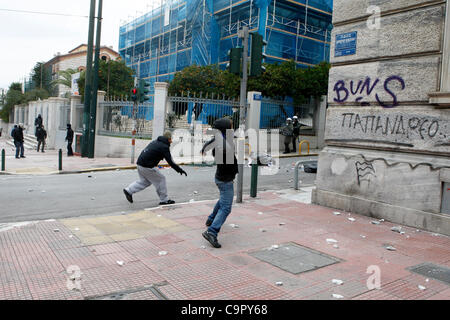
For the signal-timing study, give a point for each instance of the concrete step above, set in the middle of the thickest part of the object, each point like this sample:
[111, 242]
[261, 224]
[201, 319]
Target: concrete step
[26, 145]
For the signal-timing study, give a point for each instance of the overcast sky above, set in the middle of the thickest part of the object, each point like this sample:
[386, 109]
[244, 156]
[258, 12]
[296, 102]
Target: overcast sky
[29, 38]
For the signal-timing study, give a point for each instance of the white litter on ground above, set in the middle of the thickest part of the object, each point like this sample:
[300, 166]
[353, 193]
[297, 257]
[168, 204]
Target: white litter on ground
[162, 253]
[274, 247]
[282, 224]
[337, 213]
[376, 222]
[390, 248]
[279, 284]
[338, 296]
[260, 213]
[396, 229]
[330, 241]
[235, 226]
[336, 246]
[120, 263]
[422, 288]
[337, 281]
[352, 219]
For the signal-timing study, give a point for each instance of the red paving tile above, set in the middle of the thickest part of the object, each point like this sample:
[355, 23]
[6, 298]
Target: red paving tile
[34, 258]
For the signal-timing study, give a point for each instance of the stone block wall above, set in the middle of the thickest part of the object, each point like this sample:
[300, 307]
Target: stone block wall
[387, 145]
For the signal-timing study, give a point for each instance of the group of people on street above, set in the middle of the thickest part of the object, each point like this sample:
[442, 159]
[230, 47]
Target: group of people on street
[223, 150]
[41, 135]
[17, 135]
[291, 132]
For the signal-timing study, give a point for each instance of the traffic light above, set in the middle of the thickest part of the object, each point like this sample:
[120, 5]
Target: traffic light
[143, 91]
[134, 94]
[257, 54]
[235, 55]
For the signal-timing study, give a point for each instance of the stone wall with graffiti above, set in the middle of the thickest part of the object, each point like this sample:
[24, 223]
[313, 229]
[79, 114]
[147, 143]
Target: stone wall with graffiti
[404, 181]
[386, 144]
[385, 83]
[405, 128]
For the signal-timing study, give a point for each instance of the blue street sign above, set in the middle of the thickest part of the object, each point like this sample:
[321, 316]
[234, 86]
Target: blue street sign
[257, 97]
[346, 44]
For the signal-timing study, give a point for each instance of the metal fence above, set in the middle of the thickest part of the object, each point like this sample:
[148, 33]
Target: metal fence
[117, 119]
[187, 110]
[275, 112]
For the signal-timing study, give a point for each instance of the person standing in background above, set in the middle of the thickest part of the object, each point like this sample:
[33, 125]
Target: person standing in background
[69, 139]
[41, 135]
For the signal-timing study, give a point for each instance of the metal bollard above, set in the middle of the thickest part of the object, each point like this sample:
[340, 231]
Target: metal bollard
[254, 181]
[3, 160]
[297, 165]
[60, 160]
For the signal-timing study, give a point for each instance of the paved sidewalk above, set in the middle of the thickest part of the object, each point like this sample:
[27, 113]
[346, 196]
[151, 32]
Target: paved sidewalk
[159, 254]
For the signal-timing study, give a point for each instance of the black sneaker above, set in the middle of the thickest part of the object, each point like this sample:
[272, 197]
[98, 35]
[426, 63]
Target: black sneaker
[167, 203]
[209, 223]
[211, 239]
[129, 196]
[23, 157]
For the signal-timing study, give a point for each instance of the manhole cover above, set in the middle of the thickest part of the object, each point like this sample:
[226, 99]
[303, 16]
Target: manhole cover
[294, 258]
[148, 292]
[433, 271]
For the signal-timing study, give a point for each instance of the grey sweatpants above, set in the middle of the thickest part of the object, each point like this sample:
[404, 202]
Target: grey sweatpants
[147, 177]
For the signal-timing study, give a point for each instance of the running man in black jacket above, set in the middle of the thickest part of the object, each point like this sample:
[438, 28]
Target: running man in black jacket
[147, 166]
[227, 168]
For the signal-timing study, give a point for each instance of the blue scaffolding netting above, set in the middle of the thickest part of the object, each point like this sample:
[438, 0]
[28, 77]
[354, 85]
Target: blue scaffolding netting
[180, 33]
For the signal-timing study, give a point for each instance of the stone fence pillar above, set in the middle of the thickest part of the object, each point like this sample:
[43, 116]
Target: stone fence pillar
[160, 109]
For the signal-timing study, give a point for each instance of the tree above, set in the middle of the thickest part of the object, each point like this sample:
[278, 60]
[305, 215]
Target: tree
[65, 78]
[36, 94]
[277, 81]
[41, 77]
[14, 97]
[119, 75]
[312, 82]
[198, 79]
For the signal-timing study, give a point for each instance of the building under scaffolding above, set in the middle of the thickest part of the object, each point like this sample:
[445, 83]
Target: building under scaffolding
[179, 33]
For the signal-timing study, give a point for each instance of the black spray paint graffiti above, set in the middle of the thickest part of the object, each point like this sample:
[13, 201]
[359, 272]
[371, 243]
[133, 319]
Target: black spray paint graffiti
[364, 171]
[424, 127]
[365, 88]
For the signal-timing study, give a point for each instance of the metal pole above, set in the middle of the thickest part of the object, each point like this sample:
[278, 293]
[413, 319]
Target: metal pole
[93, 109]
[254, 184]
[3, 159]
[88, 86]
[60, 160]
[244, 34]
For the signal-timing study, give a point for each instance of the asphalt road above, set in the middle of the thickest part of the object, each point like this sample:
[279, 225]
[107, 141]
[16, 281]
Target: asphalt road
[30, 198]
